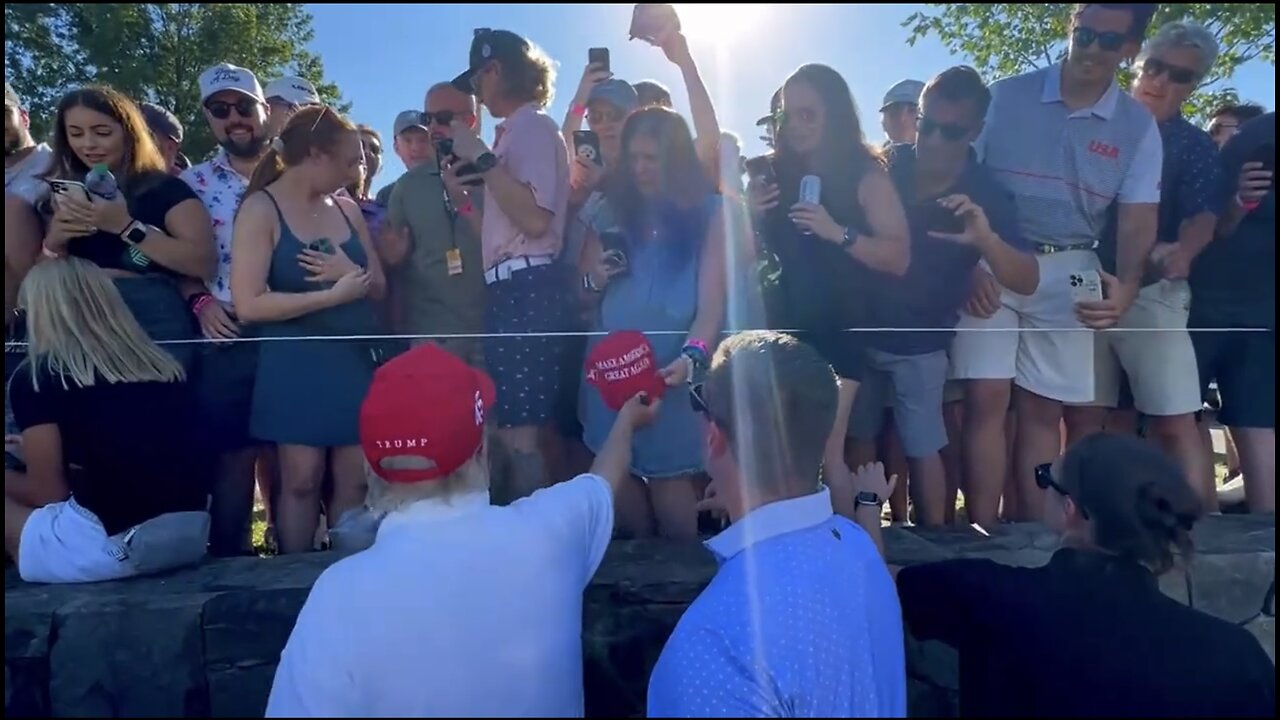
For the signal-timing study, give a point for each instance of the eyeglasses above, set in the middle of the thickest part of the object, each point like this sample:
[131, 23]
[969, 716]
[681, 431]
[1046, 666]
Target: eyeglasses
[1045, 481]
[443, 118]
[1152, 67]
[595, 117]
[952, 132]
[1109, 41]
[246, 108]
[373, 149]
[1221, 127]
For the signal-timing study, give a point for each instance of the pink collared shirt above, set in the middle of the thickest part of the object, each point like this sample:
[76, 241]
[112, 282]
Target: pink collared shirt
[532, 149]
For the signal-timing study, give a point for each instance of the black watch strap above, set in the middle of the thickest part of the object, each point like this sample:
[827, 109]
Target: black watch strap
[486, 162]
[867, 499]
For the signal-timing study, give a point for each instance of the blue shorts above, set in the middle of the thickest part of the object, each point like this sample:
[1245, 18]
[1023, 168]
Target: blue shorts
[526, 365]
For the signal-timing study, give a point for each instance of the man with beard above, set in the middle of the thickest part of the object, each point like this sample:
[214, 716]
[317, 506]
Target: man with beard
[237, 113]
[24, 160]
[433, 236]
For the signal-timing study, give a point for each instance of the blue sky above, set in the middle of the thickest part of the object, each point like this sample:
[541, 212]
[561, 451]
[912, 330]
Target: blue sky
[400, 50]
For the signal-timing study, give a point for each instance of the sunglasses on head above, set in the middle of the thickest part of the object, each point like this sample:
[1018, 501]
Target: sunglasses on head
[952, 132]
[221, 109]
[1151, 67]
[1110, 41]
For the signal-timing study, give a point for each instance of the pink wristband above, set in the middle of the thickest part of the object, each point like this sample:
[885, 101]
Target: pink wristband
[466, 209]
[701, 346]
[578, 110]
[201, 303]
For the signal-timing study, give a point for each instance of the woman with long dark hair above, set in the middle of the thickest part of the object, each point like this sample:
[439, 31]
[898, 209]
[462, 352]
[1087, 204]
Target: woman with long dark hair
[663, 271]
[153, 232]
[826, 251]
[303, 266]
[1090, 634]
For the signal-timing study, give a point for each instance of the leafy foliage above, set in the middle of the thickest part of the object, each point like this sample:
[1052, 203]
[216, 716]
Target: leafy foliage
[153, 51]
[1003, 39]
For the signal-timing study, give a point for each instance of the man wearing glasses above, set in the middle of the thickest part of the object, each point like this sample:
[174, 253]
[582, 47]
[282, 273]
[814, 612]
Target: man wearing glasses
[1072, 148]
[285, 97]
[433, 236]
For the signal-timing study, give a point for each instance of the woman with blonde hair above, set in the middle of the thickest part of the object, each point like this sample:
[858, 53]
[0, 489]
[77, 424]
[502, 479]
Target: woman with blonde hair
[303, 267]
[116, 480]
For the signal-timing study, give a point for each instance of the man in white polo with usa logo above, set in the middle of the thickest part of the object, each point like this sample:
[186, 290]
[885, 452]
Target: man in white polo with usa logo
[1071, 148]
[460, 608]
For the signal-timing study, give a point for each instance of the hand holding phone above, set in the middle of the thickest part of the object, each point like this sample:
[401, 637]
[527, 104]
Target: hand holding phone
[1086, 286]
[598, 59]
[586, 147]
[1257, 176]
[760, 169]
[615, 246]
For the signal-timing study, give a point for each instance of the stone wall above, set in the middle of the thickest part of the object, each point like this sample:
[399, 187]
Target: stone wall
[204, 642]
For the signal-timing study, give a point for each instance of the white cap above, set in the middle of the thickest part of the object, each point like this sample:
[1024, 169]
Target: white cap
[294, 90]
[225, 76]
[903, 91]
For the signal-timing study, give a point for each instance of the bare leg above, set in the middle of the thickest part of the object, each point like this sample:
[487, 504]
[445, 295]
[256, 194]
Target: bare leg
[526, 470]
[1233, 455]
[984, 450]
[1257, 447]
[298, 514]
[835, 473]
[1039, 441]
[346, 465]
[674, 500]
[895, 463]
[1081, 422]
[1009, 502]
[928, 489]
[634, 513]
[1122, 422]
[232, 508]
[952, 458]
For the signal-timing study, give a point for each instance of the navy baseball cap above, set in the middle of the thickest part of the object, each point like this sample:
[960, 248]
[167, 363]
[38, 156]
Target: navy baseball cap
[618, 93]
[487, 46]
[161, 121]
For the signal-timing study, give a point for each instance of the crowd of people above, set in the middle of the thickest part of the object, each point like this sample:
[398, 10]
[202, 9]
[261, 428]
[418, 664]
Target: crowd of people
[1042, 265]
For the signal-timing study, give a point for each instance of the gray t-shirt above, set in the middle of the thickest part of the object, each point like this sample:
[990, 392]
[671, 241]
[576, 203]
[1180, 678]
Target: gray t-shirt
[23, 179]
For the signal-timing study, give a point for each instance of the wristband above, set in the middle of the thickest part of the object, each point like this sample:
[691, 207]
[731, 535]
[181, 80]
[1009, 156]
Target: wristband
[1247, 205]
[466, 209]
[578, 110]
[44, 250]
[200, 302]
[589, 285]
[697, 351]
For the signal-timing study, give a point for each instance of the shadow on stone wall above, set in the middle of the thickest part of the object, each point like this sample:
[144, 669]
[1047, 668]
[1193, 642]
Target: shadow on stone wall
[205, 642]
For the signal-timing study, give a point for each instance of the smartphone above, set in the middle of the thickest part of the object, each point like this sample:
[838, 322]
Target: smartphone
[1265, 154]
[600, 57]
[586, 146]
[1086, 286]
[322, 245]
[70, 187]
[761, 168]
[615, 246]
[940, 219]
[651, 21]
[444, 154]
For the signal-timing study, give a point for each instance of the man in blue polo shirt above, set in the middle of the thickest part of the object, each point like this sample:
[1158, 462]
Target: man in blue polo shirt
[802, 619]
[1069, 145]
[958, 215]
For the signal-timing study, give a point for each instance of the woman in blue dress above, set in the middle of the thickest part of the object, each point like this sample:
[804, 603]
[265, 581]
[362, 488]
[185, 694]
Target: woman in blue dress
[654, 261]
[302, 267]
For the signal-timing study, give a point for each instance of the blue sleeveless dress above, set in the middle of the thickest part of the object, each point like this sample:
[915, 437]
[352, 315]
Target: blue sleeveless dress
[660, 293]
[308, 392]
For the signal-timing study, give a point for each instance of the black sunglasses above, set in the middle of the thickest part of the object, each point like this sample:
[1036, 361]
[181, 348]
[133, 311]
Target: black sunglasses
[1110, 41]
[1045, 481]
[953, 132]
[1177, 74]
[443, 118]
[246, 108]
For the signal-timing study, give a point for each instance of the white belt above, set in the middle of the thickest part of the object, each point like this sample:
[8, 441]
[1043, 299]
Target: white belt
[505, 269]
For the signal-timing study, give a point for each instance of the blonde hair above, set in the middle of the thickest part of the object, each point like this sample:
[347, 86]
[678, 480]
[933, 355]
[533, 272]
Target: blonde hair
[531, 78]
[79, 329]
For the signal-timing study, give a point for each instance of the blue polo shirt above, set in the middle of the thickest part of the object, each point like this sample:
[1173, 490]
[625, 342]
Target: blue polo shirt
[802, 620]
[937, 282]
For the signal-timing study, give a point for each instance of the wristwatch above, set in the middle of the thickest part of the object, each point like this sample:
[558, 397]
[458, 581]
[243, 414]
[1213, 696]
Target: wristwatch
[850, 237]
[135, 233]
[486, 162]
[867, 499]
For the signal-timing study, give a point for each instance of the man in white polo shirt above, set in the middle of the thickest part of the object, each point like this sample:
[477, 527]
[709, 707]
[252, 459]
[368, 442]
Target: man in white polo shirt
[1068, 144]
[460, 608]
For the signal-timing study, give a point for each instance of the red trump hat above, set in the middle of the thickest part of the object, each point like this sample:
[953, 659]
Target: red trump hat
[623, 365]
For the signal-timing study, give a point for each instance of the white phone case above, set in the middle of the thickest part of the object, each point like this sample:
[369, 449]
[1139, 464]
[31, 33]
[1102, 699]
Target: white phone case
[1086, 286]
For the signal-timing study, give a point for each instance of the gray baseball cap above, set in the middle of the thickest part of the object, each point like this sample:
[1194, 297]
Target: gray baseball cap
[618, 93]
[409, 119]
[11, 98]
[161, 121]
[903, 91]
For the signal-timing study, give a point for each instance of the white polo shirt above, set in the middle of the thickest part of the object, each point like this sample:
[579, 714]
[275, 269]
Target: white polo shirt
[459, 609]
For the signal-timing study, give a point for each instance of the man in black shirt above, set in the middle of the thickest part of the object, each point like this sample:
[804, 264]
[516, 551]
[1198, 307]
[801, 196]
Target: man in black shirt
[1233, 289]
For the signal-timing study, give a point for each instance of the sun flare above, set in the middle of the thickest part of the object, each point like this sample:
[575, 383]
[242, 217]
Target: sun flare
[720, 23]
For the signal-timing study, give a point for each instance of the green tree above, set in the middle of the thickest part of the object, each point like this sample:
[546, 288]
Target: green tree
[1003, 39]
[155, 52]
